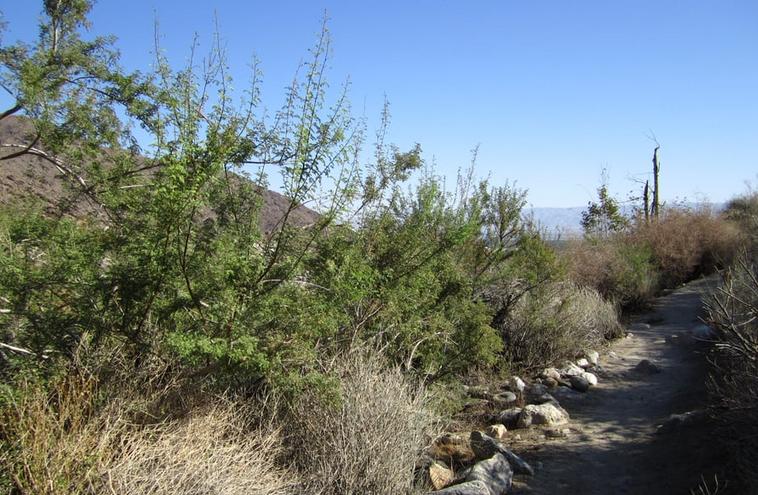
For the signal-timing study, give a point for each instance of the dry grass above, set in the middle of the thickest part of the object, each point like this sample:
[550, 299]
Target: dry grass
[213, 451]
[74, 435]
[369, 441]
[556, 323]
[54, 439]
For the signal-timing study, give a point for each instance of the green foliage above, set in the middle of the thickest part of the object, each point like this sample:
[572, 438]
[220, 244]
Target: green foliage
[604, 217]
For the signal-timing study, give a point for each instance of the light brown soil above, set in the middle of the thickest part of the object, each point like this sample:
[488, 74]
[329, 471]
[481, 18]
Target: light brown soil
[613, 447]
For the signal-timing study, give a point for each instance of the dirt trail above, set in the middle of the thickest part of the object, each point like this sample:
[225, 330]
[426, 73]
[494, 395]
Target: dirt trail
[613, 447]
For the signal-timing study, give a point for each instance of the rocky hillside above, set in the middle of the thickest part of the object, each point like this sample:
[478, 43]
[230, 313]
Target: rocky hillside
[30, 177]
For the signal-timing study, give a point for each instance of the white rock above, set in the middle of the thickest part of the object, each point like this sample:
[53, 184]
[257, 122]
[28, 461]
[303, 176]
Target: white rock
[551, 373]
[591, 378]
[517, 384]
[583, 363]
[570, 369]
[593, 357]
[497, 431]
[544, 414]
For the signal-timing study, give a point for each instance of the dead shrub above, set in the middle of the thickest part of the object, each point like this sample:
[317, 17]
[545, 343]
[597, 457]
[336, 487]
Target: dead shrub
[686, 243]
[733, 310]
[556, 323]
[367, 441]
[215, 450]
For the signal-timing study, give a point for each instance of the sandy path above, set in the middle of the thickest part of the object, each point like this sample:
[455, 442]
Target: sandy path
[613, 447]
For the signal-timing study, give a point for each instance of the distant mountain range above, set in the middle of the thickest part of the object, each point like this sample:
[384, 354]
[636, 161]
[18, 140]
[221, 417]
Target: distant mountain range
[568, 221]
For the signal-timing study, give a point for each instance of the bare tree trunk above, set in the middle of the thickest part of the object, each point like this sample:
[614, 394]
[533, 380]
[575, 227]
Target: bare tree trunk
[646, 198]
[656, 170]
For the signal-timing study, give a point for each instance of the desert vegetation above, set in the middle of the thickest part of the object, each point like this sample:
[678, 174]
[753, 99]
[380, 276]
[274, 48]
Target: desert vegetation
[159, 300]
[732, 310]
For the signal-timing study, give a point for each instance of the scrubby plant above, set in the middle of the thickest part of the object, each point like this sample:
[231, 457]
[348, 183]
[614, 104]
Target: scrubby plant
[366, 440]
[556, 323]
[733, 311]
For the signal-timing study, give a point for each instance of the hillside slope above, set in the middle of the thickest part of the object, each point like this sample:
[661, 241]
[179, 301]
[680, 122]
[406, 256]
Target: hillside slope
[30, 177]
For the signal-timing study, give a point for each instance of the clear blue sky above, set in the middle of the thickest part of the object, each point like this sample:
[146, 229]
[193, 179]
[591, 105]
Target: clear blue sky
[552, 91]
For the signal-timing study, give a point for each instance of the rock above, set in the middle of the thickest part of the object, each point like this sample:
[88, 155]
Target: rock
[485, 446]
[544, 399]
[550, 373]
[570, 369]
[590, 377]
[495, 473]
[629, 335]
[451, 447]
[509, 417]
[579, 383]
[593, 357]
[516, 384]
[536, 389]
[440, 475]
[543, 414]
[550, 382]
[469, 488]
[647, 368]
[583, 363]
[505, 399]
[497, 431]
[703, 332]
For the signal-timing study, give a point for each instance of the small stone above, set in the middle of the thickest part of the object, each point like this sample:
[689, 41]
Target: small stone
[591, 378]
[647, 367]
[440, 475]
[550, 382]
[537, 389]
[504, 399]
[516, 384]
[551, 373]
[542, 414]
[583, 363]
[570, 369]
[579, 383]
[509, 417]
[497, 431]
[593, 357]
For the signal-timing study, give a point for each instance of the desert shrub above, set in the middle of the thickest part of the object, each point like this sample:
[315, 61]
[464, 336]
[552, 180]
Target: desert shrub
[733, 310]
[557, 322]
[621, 272]
[743, 211]
[366, 440]
[688, 242]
